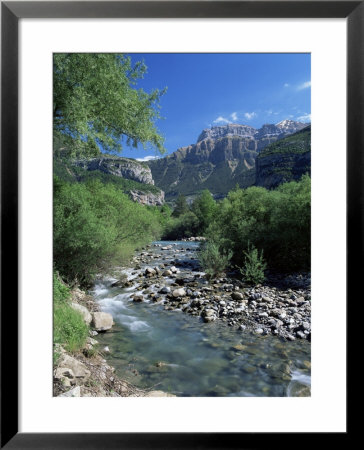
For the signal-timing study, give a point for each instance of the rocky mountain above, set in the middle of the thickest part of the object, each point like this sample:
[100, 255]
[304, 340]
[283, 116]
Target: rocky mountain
[121, 167]
[285, 160]
[131, 176]
[223, 157]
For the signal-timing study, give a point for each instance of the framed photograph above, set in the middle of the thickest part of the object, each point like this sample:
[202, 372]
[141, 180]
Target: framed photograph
[221, 229]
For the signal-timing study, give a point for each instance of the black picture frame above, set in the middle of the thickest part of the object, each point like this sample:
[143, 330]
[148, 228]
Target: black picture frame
[11, 12]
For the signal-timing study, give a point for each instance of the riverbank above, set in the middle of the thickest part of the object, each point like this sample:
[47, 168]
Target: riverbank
[87, 373]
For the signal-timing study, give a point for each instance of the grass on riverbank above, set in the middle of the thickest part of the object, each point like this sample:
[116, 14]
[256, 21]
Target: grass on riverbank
[69, 328]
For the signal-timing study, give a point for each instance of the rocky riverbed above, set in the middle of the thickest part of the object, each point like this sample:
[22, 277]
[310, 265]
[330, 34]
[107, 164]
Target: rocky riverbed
[177, 282]
[192, 336]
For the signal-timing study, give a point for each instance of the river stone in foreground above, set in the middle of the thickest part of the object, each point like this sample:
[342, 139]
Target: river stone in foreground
[159, 394]
[75, 392]
[102, 321]
[76, 367]
[86, 315]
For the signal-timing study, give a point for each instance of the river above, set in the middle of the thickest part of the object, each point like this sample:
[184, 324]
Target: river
[178, 353]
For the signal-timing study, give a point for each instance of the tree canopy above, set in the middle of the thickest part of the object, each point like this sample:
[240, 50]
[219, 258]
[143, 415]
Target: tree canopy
[96, 103]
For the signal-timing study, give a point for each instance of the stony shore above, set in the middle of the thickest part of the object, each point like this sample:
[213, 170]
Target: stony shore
[86, 373]
[282, 307]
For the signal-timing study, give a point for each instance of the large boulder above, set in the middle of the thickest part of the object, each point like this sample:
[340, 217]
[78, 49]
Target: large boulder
[102, 321]
[84, 312]
[75, 367]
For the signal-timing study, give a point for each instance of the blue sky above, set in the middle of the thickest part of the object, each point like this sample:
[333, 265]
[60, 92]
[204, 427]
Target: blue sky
[205, 90]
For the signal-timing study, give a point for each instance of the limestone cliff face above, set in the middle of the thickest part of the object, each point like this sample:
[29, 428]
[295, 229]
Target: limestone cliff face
[227, 130]
[130, 176]
[285, 160]
[121, 167]
[217, 165]
[222, 158]
[147, 198]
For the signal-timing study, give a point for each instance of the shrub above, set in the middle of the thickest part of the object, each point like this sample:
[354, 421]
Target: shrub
[254, 266]
[213, 260]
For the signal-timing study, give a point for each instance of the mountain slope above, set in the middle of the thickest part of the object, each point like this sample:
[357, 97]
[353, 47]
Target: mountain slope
[284, 160]
[222, 157]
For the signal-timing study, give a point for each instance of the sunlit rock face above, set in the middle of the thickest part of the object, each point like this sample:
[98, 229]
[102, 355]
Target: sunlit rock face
[223, 157]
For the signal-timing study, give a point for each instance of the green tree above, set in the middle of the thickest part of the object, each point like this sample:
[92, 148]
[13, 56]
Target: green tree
[204, 207]
[95, 103]
[181, 206]
[96, 225]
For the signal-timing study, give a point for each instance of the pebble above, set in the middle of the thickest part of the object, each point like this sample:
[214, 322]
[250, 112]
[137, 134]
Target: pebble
[280, 311]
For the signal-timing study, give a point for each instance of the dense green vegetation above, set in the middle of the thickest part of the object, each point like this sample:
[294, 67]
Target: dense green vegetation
[187, 221]
[96, 225]
[248, 222]
[69, 328]
[96, 103]
[277, 222]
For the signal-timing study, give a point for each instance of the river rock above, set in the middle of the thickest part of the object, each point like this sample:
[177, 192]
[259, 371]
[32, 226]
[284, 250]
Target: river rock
[159, 394]
[179, 292]
[75, 392]
[86, 315]
[298, 389]
[65, 375]
[167, 273]
[237, 296]
[149, 272]
[92, 341]
[102, 321]
[74, 366]
[165, 290]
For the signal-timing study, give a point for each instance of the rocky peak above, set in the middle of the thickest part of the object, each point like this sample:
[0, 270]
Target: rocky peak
[267, 131]
[290, 126]
[231, 129]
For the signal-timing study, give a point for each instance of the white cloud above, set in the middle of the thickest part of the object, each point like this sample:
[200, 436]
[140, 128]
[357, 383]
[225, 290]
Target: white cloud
[250, 115]
[221, 119]
[147, 158]
[234, 116]
[305, 118]
[286, 85]
[304, 85]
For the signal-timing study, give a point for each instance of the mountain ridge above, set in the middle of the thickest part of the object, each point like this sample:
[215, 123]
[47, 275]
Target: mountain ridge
[222, 157]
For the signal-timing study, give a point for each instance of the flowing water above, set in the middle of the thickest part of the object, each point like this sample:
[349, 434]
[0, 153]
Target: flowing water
[178, 353]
